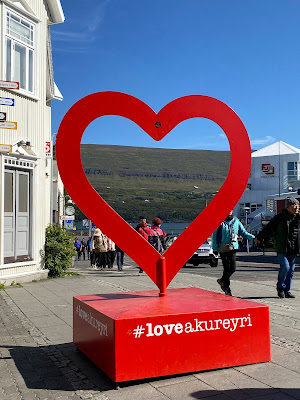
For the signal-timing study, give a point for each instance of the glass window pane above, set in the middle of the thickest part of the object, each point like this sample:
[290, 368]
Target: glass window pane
[30, 72]
[8, 192]
[18, 30]
[8, 60]
[20, 65]
[23, 193]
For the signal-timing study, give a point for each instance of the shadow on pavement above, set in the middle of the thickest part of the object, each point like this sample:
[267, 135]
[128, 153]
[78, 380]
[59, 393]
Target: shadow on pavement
[61, 367]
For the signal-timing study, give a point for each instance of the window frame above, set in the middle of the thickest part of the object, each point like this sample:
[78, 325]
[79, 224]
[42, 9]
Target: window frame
[28, 48]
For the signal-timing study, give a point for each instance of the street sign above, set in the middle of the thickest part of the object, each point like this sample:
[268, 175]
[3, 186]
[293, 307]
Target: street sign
[48, 149]
[67, 217]
[2, 116]
[5, 148]
[5, 101]
[68, 224]
[86, 223]
[9, 85]
[8, 125]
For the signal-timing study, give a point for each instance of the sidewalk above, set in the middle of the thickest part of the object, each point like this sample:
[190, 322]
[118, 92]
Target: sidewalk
[39, 361]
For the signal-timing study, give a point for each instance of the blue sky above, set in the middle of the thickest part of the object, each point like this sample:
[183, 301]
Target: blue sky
[246, 53]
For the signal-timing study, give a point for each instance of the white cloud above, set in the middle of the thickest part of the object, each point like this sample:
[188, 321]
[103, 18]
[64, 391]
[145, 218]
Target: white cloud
[265, 140]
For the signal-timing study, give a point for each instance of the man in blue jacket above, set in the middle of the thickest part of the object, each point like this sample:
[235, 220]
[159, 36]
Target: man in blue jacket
[224, 240]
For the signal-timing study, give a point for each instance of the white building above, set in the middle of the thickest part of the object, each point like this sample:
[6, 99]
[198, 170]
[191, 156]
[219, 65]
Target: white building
[26, 171]
[275, 173]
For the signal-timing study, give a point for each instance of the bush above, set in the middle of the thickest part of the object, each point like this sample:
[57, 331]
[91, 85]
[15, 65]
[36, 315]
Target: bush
[59, 250]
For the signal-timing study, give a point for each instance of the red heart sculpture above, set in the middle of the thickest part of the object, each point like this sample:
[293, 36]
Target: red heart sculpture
[82, 113]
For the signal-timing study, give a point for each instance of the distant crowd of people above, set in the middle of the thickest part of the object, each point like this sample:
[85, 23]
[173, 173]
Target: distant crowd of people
[102, 251]
[284, 228]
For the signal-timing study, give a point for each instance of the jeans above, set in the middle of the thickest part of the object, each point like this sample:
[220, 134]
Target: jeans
[78, 254]
[120, 259]
[286, 271]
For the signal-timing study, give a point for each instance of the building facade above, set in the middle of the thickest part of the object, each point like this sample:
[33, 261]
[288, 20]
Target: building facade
[26, 165]
[275, 174]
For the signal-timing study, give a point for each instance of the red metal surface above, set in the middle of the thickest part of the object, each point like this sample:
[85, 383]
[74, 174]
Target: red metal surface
[138, 335]
[102, 215]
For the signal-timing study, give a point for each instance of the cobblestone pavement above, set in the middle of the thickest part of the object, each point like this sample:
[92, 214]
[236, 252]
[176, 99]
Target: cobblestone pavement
[39, 361]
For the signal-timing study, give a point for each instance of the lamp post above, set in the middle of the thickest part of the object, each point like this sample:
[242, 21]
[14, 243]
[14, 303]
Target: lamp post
[247, 209]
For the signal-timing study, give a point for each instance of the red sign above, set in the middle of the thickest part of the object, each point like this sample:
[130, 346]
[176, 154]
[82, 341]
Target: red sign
[48, 149]
[161, 269]
[268, 169]
[9, 85]
[137, 335]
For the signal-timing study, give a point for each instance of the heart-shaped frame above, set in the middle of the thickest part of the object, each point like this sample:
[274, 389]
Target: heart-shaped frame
[82, 113]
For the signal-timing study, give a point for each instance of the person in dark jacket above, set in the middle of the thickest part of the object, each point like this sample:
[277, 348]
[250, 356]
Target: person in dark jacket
[284, 228]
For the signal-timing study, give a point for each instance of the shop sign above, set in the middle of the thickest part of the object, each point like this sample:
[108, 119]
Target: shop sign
[8, 125]
[9, 85]
[5, 148]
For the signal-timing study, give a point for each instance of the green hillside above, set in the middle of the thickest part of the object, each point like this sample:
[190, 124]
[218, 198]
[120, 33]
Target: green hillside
[155, 182]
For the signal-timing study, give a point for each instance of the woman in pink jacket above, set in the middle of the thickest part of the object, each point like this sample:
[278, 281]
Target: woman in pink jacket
[157, 236]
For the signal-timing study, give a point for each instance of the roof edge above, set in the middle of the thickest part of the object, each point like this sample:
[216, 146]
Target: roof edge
[56, 11]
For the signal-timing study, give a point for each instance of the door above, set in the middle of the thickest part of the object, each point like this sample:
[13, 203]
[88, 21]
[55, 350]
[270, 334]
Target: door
[16, 216]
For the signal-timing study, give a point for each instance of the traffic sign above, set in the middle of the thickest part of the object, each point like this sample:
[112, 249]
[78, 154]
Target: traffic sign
[5, 148]
[67, 217]
[48, 149]
[69, 224]
[2, 116]
[8, 125]
[5, 101]
[9, 85]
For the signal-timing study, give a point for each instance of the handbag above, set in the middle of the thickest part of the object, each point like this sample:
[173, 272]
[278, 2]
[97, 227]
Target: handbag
[225, 248]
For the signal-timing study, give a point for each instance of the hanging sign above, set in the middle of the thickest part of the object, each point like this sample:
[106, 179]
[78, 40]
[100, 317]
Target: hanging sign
[48, 149]
[67, 217]
[8, 125]
[9, 85]
[2, 116]
[5, 101]
[5, 148]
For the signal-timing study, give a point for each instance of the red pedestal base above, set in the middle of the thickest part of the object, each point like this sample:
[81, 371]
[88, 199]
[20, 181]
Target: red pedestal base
[138, 335]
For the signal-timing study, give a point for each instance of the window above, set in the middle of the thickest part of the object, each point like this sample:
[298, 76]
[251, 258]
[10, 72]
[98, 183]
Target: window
[293, 172]
[19, 49]
[249, 208]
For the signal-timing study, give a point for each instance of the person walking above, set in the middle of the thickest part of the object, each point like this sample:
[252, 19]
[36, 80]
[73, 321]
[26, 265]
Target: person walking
[89, 248]
[84, 247]
[120, 258]
[99, 247]
[111, 252]
[78, 248]
[157, 236]
[285, 229]
[144, 230]
[225, 241]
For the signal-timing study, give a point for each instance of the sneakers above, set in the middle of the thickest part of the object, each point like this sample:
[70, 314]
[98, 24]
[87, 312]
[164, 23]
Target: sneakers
[281, 293]
[289, 295]
[220, 282]
[228, 292]
[140, 271]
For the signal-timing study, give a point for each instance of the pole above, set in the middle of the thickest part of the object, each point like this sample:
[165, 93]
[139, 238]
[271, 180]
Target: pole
[161, 272]
[51, 183]
[247, 228]
[90, 228]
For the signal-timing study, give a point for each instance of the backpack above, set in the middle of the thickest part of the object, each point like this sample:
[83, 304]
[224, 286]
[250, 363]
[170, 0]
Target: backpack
[99, 244]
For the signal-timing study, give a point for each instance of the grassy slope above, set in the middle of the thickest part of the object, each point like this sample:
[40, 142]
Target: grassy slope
[174, 199]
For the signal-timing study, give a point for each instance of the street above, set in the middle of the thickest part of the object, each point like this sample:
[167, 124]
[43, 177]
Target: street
[39, 360]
